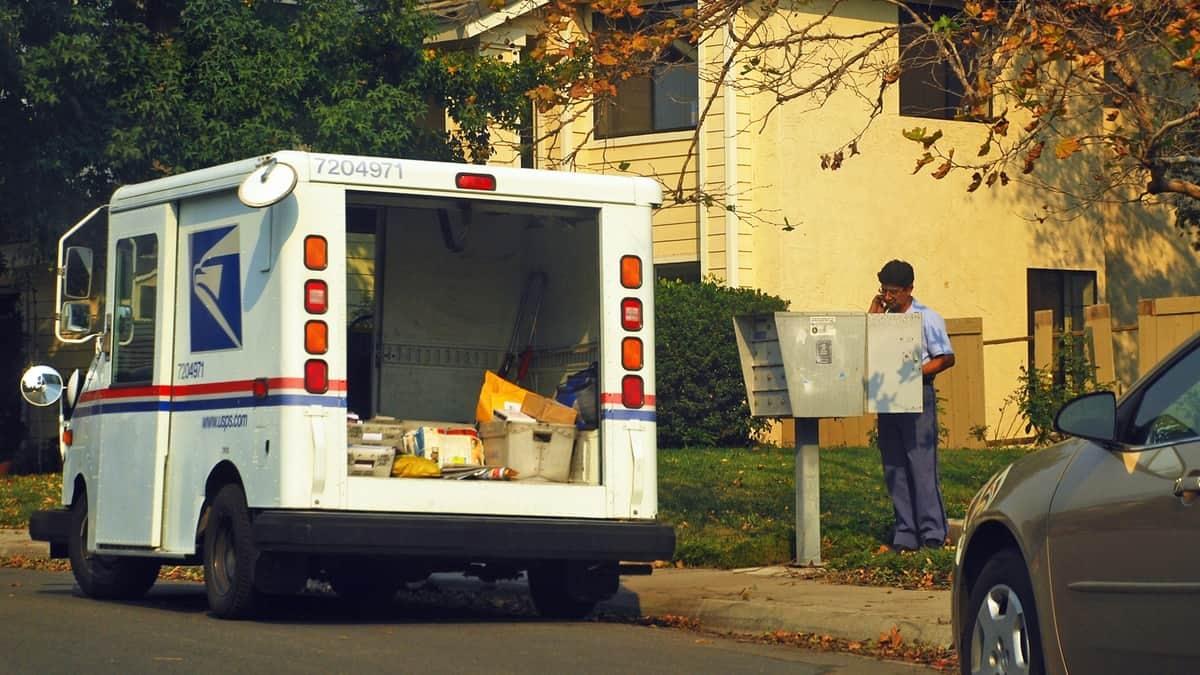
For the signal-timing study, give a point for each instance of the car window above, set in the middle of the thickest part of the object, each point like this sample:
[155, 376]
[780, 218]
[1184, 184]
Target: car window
[1170, 409]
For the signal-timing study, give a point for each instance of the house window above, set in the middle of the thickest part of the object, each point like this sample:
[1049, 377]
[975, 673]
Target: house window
[667, 99]
[929, 87]
[688, 272]
[1066, 292]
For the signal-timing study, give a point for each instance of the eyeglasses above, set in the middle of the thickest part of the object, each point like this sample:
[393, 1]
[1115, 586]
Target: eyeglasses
[891, 292]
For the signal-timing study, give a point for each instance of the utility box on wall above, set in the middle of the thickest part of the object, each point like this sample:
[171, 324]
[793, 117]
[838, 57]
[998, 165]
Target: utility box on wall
[830, 364]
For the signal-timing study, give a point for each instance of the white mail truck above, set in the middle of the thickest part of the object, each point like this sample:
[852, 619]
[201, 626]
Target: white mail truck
[249, 317]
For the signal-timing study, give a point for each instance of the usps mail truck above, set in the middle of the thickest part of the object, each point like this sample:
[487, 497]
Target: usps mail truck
[271, 335]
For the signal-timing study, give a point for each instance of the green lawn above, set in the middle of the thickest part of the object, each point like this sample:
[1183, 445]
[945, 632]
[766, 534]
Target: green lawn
[735, 508]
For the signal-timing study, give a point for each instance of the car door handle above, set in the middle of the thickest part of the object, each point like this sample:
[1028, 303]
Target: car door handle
[1188, 486]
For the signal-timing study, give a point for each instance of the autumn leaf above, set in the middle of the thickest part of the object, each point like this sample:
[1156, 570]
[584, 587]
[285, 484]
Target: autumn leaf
[1066, 147]
[931, 139]
[941, 171]
[1032, 157]
[976, 181]
[985, 148]
[605, 59]
[915, 134]
[925, 159]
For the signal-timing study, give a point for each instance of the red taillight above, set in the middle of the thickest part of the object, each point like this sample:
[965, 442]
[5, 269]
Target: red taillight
[316, 296]
[633, 391]
[259, 388]
[631, 271]
[316, 376]
[316, 337]
[631, 314]
[631, 353]
[68, 437]
[475, 181]
[316, 255]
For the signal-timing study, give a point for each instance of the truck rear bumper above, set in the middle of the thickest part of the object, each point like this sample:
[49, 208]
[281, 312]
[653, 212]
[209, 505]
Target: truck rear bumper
[462, 537]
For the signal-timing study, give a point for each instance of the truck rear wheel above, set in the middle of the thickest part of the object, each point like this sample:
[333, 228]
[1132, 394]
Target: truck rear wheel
[570, 589]
[229, 556]
[105, 577]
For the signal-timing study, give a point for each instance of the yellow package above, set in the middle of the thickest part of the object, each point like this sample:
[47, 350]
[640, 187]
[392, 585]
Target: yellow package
[411, 466]
[495, 393]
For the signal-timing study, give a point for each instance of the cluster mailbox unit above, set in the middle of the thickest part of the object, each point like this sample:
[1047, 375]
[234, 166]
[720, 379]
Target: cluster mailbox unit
[813, 365]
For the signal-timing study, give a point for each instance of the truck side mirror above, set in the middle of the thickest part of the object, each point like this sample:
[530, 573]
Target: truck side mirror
[77, 272]
[76, 317]
[41, 386]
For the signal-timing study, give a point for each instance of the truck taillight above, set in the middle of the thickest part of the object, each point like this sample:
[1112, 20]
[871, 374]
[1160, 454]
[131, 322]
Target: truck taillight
[316, 376]
[316, 254]
[68, 436]
[631, 271]
[631, 353]
[316, 337]
[316, 296]
[475, 181]
[633, 391]
[631, 314]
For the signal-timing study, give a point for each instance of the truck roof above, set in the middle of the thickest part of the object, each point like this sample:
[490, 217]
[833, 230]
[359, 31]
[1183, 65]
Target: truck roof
[408, 174]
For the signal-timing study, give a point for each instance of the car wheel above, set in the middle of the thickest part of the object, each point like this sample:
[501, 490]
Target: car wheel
[105, 577]
[1001, 635]
[229, 556]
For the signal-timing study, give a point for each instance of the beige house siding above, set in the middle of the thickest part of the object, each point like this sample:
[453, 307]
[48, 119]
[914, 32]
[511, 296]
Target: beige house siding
[971, 251]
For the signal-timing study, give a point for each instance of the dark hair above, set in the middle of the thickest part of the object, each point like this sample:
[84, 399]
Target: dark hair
[896, 273]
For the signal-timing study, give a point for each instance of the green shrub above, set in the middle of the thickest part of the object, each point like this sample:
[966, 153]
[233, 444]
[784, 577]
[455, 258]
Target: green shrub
[1043, 391]
[700, 391]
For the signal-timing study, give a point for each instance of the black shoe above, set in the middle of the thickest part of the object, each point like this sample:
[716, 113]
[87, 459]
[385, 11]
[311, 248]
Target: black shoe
[933, 543]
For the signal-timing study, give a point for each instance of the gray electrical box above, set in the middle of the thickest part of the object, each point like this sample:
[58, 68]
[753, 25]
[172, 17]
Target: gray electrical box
[894, 363]
[830, 364]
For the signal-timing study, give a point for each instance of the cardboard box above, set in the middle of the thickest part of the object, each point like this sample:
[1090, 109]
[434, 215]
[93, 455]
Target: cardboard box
[535, 451]
[369, 460]
[448, 446]
[585, 458]
[376, 431]
[546, 410]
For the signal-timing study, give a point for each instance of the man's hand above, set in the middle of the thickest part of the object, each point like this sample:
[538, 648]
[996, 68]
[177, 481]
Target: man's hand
[878, 306]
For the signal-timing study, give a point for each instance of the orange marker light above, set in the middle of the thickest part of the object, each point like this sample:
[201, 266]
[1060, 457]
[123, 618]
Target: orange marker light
[316, 337]
[68, 437]
[316, 253]
[631, 353]
[631, 271]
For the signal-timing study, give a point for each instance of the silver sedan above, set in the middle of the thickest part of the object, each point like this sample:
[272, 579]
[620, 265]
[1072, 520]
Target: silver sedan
[1084, 557]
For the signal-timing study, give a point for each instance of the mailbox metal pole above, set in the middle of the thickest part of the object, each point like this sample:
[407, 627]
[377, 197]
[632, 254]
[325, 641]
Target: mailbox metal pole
[808, 492]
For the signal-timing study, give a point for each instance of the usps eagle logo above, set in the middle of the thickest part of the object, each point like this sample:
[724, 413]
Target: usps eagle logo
[216, 307]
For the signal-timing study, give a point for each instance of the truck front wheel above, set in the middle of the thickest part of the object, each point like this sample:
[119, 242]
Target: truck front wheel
[229, 556]
[570, 589]
[105, 577]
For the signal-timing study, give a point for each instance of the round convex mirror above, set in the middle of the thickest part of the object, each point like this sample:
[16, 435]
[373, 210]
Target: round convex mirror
[267, 184]
[41, 385]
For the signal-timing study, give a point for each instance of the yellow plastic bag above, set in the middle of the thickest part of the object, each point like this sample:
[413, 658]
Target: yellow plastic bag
[495, 393]
[411, 466]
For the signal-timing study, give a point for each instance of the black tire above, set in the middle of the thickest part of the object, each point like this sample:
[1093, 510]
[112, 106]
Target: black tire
[230, 556]
[105, 577]
[1001, 634]
[554, 585]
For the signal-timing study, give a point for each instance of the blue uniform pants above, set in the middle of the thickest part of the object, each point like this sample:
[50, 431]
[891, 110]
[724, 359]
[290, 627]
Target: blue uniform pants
[908, 445]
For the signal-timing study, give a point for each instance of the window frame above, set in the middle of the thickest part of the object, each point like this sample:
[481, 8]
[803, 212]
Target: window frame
[602, 127]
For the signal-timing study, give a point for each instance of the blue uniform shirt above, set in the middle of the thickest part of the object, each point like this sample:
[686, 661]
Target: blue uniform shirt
[936, 340]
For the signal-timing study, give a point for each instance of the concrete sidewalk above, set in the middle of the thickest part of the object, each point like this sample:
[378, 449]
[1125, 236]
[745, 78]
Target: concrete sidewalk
[753, 600]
